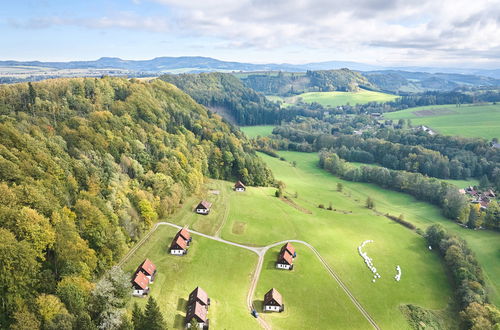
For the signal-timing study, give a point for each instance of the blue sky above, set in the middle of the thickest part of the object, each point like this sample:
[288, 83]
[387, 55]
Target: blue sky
[387, 32]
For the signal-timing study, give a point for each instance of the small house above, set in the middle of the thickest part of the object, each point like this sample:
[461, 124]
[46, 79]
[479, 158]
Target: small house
[289, 248]
[273, 302]
[200, 296]
[239, 186]
[198, 312]
[148, 269]
[285, 261]
[186, 236]
[178, 246]
[203, 207]
[140, 284]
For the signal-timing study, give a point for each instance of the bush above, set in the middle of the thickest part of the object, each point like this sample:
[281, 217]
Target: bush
[321, 206]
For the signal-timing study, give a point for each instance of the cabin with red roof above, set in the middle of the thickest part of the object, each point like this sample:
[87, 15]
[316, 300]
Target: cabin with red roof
[288, 247]
[285, 261]
[198, 312]
[203, 207]
[185, 235]
[140, 284]
[148, 269]
[178, 246]
[200, 296]
[273, 301]
[239, 186]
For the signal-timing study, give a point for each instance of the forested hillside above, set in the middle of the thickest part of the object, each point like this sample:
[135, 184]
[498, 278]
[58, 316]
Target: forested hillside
[86, 166]
[223, 90]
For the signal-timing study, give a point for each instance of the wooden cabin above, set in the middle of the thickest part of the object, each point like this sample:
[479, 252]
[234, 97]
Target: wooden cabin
[186, 236]
[285, 261]
[198, 312]
[273, 302]
[203, 207]
[239, 186]
[140, 284]
[288, 247]
[178, 246]
[199, 295]
[148, 269]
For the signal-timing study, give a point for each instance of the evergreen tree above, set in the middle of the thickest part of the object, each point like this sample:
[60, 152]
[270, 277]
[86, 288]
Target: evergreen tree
[153, 318]
[370, 203]
[137, 317]
[340, 186]
[484, 183]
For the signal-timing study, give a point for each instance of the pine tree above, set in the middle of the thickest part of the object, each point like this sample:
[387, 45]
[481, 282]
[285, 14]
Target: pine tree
[137, 317]
[370, 203]
[153, 318]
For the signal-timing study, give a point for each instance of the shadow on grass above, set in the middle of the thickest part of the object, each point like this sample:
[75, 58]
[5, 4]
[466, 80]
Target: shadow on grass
[181, 304]
[258, 305]
[271, 264]
[179, 321]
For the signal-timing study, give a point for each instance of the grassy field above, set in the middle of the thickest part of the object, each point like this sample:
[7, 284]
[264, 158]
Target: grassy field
[485, 244]
[467, 120]
[261, 219]
[334, 99]
[254, 131]
[223, 271]
[310, 296]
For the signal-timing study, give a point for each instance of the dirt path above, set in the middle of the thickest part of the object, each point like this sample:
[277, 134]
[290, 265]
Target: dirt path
[260, 251]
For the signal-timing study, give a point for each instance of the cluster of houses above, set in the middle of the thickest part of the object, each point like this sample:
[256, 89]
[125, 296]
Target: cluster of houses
[477, 197]
[181, 242]
[204, 206]
[286, 256]
[197, 308]
[143, 277]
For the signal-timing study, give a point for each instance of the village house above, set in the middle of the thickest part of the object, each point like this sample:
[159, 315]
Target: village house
[198, 312]
[288, 247]
[200, 296]
[285, 261]
[273, 302]
[140, 284]
[148, 269]
[185, 235]
[239, 186]
[203, 207]
[178, 246]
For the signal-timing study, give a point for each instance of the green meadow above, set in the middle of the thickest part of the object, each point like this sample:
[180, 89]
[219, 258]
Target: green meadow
[254, 131]
[467, 120]
[334, 99]
[223, 271]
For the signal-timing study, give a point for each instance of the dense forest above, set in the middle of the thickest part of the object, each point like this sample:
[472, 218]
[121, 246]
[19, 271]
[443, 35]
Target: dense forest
[86, 166]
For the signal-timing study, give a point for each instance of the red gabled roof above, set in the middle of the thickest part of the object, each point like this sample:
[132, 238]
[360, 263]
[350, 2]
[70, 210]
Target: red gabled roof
[288, 247]
[185, 234]
[148, 267]
[179, 241]
[199, 294]
[204, 204]
[141, 280]
[271, 295]
[197, 310]
[239, 184]
[285, 256]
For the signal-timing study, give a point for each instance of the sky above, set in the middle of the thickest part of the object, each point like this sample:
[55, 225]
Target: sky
[446, 33]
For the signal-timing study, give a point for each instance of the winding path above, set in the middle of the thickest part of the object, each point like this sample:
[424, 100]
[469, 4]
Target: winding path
[260, 251]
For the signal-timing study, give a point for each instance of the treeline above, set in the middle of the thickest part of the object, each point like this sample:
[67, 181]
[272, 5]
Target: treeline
[476, 312]
[454, 205]
[86, 166]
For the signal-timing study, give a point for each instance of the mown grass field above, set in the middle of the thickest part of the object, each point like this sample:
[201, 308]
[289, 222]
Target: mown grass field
[254, 131]
[467, 120]
[223, 271]
[336, 235]
[485, 244]
[310, 296]
[334, 99]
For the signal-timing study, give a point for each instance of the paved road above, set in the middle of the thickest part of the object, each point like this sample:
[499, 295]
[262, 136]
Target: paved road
[261, 251]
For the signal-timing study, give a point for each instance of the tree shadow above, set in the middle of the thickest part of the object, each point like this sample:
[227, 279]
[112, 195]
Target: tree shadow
[181, 304]
[179, 321]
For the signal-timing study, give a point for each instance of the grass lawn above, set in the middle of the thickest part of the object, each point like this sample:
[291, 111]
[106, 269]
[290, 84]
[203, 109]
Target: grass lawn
[254, 131]
[312, 298]
[467, 120]
[334, 99]
[336, 235]
[223, 271]
[485, 244]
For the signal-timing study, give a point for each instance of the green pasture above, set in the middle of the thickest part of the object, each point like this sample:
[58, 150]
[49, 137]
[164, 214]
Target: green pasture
[334, 99]
[467, 120]
[254, 131]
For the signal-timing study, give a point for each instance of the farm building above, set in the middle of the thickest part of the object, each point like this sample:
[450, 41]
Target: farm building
[285, 261]
[273, 302]
[148, 269]
[239, 186]
[198, 312]
[178, 246]
[200, 296]
[288, 247]
[140, 284]
[203, 207]
[184, 234]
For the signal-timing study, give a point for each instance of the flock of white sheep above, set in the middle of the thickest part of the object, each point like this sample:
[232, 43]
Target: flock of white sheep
[369, 263]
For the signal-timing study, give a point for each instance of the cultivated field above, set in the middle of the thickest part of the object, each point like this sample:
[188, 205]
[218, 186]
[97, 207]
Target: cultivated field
[467, 120]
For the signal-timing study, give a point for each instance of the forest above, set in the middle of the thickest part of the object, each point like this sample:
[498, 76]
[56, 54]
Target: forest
[86, 166]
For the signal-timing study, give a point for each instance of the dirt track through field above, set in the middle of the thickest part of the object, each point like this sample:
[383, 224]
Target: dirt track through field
[261, 251]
